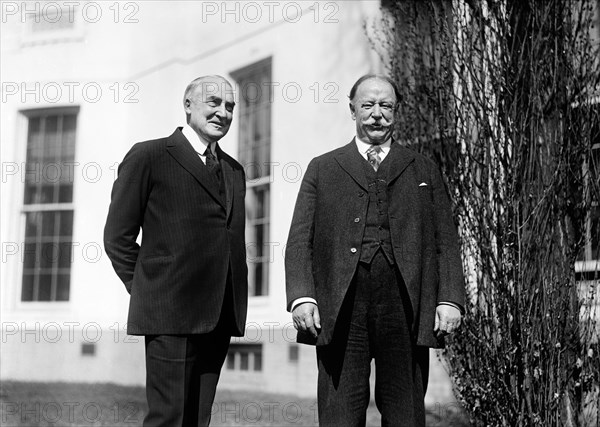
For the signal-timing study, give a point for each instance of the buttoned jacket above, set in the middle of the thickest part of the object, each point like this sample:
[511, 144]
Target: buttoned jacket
[192, 238]
[324, 242]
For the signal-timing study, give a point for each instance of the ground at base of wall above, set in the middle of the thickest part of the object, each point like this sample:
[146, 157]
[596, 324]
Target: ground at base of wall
[79, 404]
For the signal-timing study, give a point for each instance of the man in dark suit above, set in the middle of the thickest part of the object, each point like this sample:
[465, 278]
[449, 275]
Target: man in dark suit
[188, 277]
[373, 267]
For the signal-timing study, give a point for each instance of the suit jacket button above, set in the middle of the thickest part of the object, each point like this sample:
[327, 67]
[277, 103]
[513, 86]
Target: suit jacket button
[361, 194]
[353, 250]
[356, 219]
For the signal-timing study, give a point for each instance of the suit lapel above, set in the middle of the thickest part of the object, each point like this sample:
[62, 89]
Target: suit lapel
[228, 176]
[181, 150]
[396, 161]
[351, 162]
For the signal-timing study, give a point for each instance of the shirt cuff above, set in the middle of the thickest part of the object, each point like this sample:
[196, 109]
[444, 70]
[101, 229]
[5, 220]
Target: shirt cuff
[451, 304]
[302, 300]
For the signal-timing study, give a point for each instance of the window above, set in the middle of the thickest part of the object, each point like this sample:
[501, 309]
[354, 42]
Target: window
[587, 267]
[53, 19]
[88, 349]
[254, 90]
[48, 206]
[51, 22]
[591, 253]
[244, 357]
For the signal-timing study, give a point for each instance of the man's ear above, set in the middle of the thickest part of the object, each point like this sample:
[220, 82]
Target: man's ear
[186, 105]
[352, 111]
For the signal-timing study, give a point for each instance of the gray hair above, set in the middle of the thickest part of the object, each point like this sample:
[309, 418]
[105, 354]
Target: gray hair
[191, 88]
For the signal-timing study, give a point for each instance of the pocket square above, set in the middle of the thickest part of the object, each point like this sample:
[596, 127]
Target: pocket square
[423, 184]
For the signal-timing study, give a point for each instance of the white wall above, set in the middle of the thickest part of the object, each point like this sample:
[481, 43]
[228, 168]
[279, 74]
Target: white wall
[152, 60]
[323, 53]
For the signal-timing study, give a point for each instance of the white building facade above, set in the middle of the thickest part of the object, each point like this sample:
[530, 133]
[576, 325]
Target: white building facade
[81, 83]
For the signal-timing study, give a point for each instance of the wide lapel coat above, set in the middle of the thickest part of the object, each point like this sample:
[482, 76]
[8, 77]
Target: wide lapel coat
[327, 228]
[182, 151]
[193, 237]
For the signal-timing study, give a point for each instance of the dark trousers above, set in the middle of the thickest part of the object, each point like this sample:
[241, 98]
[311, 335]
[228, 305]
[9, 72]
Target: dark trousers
[182, 372]
[374, 323]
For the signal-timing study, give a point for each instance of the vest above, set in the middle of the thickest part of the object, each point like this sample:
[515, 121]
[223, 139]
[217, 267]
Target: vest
[377, 228]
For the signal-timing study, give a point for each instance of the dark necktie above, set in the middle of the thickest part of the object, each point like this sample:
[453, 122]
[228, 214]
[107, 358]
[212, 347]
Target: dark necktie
[212, 164]
[373, 156]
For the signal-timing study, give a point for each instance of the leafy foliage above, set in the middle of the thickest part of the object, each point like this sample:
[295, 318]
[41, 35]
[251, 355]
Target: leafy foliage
[504, 95]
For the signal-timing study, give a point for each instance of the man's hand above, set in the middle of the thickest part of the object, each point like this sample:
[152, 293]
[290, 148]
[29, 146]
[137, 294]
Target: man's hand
[447, 319]
[306, 318]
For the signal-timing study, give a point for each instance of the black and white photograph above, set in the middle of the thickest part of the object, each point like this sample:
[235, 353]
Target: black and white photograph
[300, 213]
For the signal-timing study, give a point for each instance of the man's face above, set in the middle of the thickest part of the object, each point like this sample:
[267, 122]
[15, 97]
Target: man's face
[210, 109]
[373, 110]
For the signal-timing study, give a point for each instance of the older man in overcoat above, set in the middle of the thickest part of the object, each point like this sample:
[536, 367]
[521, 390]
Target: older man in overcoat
[373, 267]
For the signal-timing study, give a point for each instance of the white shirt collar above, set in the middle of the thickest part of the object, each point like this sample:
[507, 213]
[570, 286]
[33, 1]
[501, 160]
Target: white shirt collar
[363, 147]
[197, 142]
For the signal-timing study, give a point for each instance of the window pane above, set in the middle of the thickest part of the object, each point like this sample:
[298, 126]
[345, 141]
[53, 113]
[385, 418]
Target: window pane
[49, 255]
[52, 172]
[230, 360]
[258, 360]
[255, 202]
[51, 139]
[45, 288]
[34, 126]
[35, 153]
[27, 289]
[88, 349]
[66, 223]
[65, 193]
[48, 194]
[32, 223]
[261, 207]
[51, 124]
[68, 137]
[48, 222]
[65, 254]
[258, 279]
[244, 361]
[69, 123]
[62, 287]
[260, 240]
[29, 255]
[34, 138]
[30, 193]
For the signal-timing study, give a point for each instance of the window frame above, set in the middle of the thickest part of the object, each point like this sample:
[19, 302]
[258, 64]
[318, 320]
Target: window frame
[28, 208]
[72, 33]
[243, 77]
[237, 351]
[589, 266]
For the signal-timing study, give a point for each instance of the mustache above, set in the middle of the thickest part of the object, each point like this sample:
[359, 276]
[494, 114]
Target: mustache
[378, 124]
